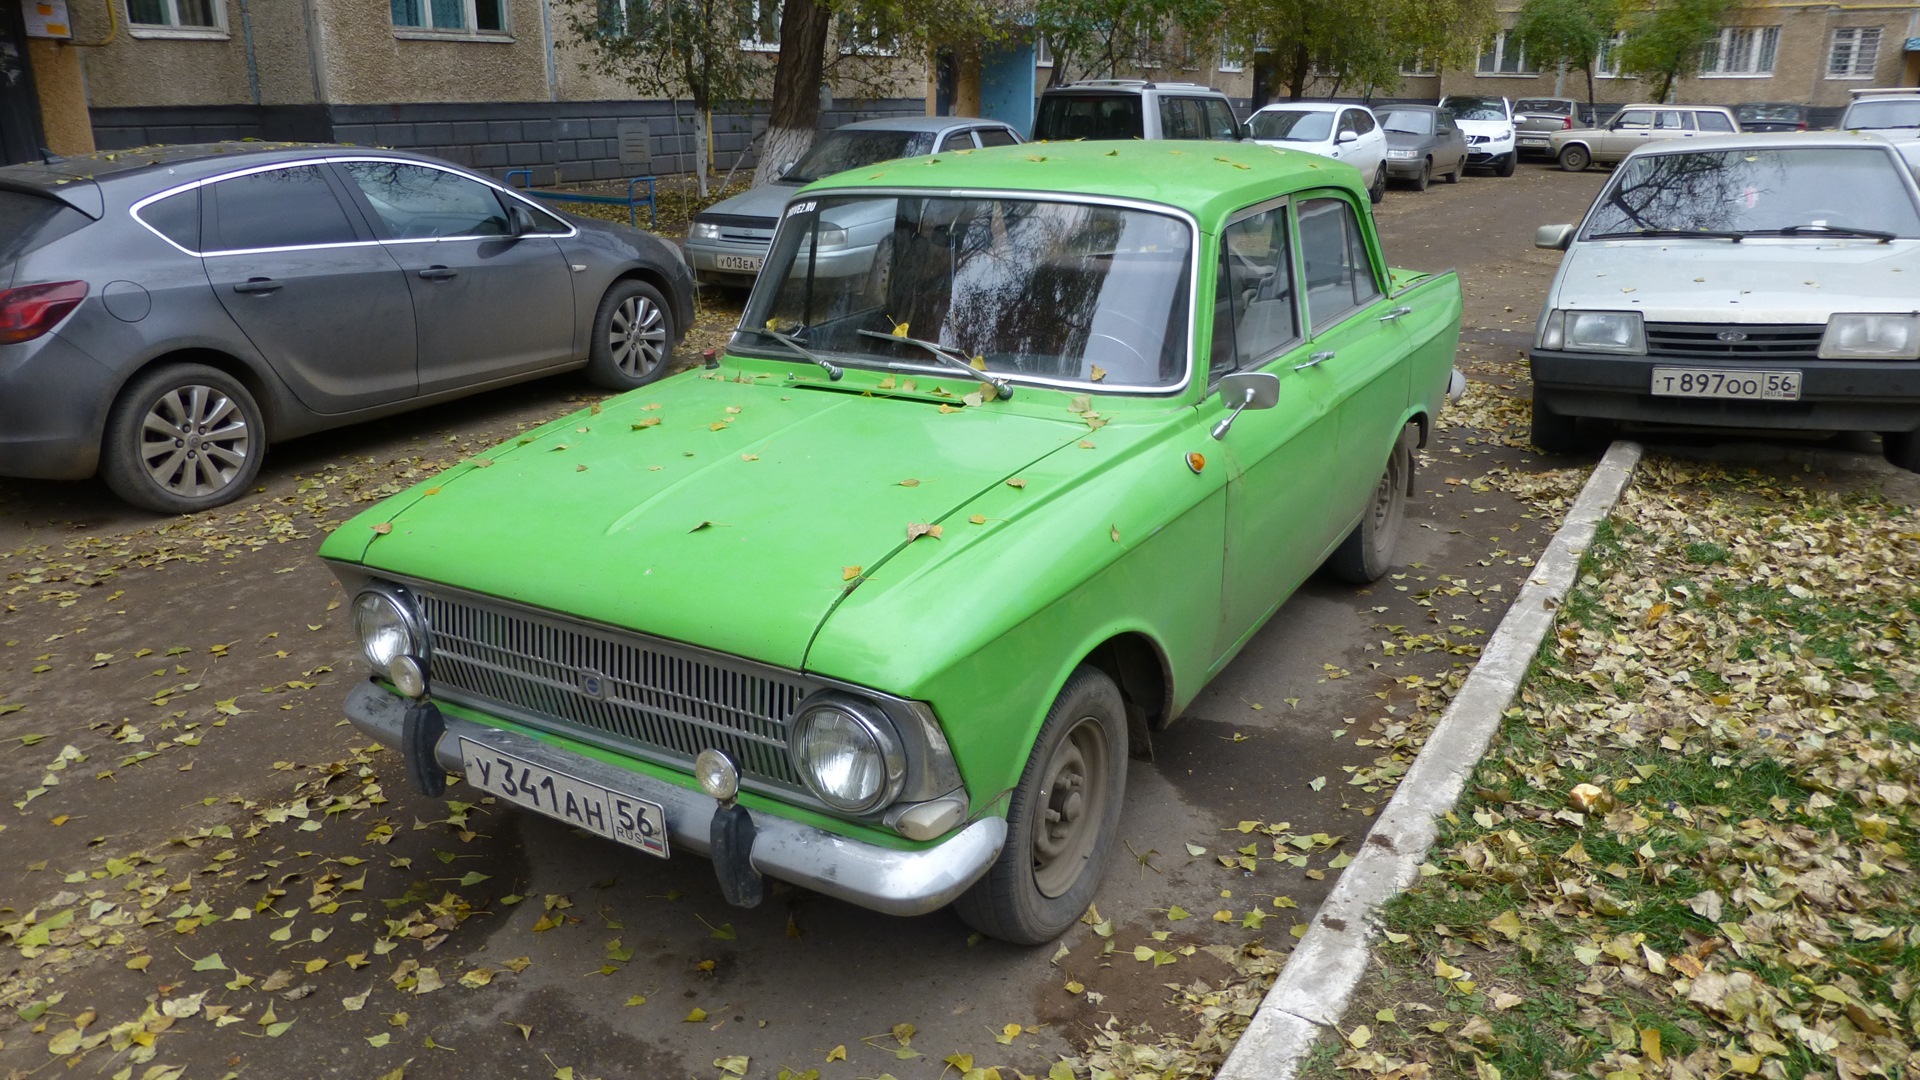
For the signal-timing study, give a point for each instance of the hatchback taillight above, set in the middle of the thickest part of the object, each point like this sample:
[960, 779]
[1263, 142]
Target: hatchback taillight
[31, 310]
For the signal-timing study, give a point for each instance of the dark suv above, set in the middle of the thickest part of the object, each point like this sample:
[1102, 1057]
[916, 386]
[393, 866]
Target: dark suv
[1134, 109]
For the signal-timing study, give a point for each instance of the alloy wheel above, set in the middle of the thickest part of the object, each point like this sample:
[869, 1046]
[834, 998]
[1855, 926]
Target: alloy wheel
[194, 441]
[637, 336]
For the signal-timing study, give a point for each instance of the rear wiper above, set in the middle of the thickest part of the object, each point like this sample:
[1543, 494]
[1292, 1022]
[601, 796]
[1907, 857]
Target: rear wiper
[1649, 234]
[833, 369]
[953, 357]
[1826, 230]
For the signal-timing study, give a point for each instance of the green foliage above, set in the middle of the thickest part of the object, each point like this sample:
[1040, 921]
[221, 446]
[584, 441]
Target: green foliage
[673, 48]
[1092, 38]
[1664, 42]
[1359, 51]
[1570, 32]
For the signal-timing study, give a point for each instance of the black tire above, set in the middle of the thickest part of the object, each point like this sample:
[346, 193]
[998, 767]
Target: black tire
[1459, 167]
[1902, 449]
[1366, 554]
[1507, 164]
[1426, 176]
[1554, 433]
[182, 438]
[1575, 158]
[1377, 191]
[632, 337]
[1041, 884]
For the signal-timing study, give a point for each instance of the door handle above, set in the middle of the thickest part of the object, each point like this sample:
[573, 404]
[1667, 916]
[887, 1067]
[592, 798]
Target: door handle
[257, 285]
[1396, 313]
[439, 273]
[1315, 360]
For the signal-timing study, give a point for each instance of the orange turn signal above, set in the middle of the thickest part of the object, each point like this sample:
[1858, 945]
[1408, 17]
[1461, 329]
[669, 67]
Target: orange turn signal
[1196, 461]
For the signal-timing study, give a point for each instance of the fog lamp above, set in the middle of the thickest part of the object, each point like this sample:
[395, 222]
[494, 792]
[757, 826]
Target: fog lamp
[716, 775]
[408, 677]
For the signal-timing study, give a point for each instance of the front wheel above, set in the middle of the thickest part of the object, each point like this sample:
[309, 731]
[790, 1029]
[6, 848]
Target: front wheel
[183, 438]
[1377, 191]
[632, 337]
[1575, 158]
[1507, 164]
[1902, 449]
[1553, 432]
[1061, 820]
[1367, 553]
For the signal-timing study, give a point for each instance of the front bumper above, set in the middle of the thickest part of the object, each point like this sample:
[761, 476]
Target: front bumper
[1835, 395]
[888, 880]
[1489, 153]
[1405, 168]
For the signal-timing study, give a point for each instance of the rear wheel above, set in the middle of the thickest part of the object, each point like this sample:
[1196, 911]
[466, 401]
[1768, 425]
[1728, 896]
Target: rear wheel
[1061, 820]
[1460, 166]
[1426, 176]
[632, 337]
[1367, 552]
[1902, 448]
[183, 438]
[1575, 158]
[1555, 433]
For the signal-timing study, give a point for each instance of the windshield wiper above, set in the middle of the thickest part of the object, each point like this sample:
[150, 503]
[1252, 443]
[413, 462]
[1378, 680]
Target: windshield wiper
[953, 357]
[1651, 234]
[833, 369]
[1826, 230]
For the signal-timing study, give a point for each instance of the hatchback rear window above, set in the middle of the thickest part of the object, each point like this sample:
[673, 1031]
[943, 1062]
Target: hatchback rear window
[1544, 105]
[1093, 116]
[28, 221]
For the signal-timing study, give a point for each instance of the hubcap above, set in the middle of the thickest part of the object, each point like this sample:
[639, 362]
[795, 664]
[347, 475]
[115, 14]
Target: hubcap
[194, 441]
[637, 336]
[1072, 804]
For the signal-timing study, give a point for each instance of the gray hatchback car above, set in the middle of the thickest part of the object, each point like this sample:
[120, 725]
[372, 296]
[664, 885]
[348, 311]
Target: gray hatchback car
[166, 313]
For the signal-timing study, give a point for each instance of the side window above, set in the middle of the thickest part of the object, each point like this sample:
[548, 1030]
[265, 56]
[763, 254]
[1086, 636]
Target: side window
[1671, 120]
[278, 208]
[1339, 273]
[176, 217]
[1634, 118]
[1254, 313]
[415, 202]
[1713, 121]
[1347, 122]
[959, 140]
[996, 137]
[1220, 121]
[1363, 122]
[1179, 118]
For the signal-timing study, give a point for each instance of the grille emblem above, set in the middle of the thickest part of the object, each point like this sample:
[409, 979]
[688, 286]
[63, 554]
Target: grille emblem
[1731, 335]
[592, 683]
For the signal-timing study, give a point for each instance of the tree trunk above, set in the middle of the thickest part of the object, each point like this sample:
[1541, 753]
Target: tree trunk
[795, 112]
[1302, 64]
[1593, 111]
[701, 145]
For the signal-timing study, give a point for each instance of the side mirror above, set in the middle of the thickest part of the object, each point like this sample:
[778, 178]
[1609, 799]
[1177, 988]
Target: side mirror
[520, 222]
[1553, 237]
[1246, 390]
[787, 168]
[1347, 137]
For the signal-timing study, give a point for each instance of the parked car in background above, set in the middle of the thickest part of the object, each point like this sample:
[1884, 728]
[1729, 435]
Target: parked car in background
[1134, 109]
[172, 311]
[1103, 408]
[1764, 116]
[1635, 126]
[1749, 281]
[727, 242]
[1894, 112]
[1488, 122]
[1423, 141]
[1348, 133]
[1535, 119]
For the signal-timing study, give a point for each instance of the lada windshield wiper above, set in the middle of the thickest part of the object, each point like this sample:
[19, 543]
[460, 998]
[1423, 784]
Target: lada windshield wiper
[833, 369]
[1664, 234]
[953, 358]
[1826, 230]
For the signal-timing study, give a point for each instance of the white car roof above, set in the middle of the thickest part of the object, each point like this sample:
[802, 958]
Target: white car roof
[1310, 106]
[1757, 140]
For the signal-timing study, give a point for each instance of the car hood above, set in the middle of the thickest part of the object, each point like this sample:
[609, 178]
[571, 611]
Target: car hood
[730, 515]
[1311, 146]
[766, 201]
[1758, 280]
[1483, 127]
[1400, 140]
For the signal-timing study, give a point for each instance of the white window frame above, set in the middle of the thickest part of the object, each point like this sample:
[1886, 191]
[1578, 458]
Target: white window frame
[1501, 40]
[175, 29]
[467, 31]
[1737, 52]
[1230, 63]
[1042, 51]
[1606, 63]
[1854, 36]
[756, 43]
[853, 39]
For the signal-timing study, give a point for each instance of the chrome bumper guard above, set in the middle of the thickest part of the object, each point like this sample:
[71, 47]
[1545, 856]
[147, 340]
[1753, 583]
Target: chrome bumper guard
[882, 879]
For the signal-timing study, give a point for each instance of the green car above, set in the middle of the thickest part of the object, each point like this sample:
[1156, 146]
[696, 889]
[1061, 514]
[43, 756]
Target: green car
[1011, 453]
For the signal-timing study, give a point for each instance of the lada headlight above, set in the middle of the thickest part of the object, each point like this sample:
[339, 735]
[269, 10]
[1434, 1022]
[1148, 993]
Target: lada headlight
[1594, 331]
[848, 753]
[704, 230]
[1853, 336]
[388, 626]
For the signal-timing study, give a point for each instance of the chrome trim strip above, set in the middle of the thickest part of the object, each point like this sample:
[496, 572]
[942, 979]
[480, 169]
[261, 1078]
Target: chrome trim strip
[134, 210]
[896, 882]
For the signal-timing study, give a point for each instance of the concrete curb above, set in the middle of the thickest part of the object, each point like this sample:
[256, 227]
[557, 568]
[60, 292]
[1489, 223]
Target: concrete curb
[1319, 979]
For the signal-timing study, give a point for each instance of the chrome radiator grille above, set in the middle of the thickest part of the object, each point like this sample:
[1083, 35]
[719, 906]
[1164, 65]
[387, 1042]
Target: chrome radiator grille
[652, 699]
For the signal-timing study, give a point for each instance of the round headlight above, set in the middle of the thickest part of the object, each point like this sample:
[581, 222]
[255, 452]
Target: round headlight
[385, 630]
[848, 755]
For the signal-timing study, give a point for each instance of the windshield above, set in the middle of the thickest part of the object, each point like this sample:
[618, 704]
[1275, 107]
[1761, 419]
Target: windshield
[1544, 105]
[1293, 125]
[838, 151]
[1408, 122]
[1747, 191]
[1762, 114]
[1049, 291]
[1476, 108]
[1879, 115]
[1096, 116]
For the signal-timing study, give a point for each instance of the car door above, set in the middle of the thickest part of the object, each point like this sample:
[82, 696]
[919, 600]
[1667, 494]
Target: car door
[1368, 151]
[1672, 124]
[1453, 142]
[1279, 485]
[324, 303]
[488, 304]
[1627, 131]
[1356, 352]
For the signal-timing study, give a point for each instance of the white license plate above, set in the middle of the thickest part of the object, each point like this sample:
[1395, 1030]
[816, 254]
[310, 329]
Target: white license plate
[623, 818]
[1722, 383]
[751, 263]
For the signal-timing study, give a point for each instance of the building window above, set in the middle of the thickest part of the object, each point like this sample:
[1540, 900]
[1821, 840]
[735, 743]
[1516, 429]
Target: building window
[1503, 55]
[1856, 49]
[864, 38]
[182, 14]
[1741, 51]
[611, 18]
[1606, 65]
[1231, 61]
[1417, 66]
[1042, 52]
[457, 16]
[761, 22]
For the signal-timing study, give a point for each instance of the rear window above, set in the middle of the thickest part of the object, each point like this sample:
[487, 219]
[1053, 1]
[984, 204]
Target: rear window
[838, 151]
[1091, 116]
[1543, 105]
[1713, 121]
